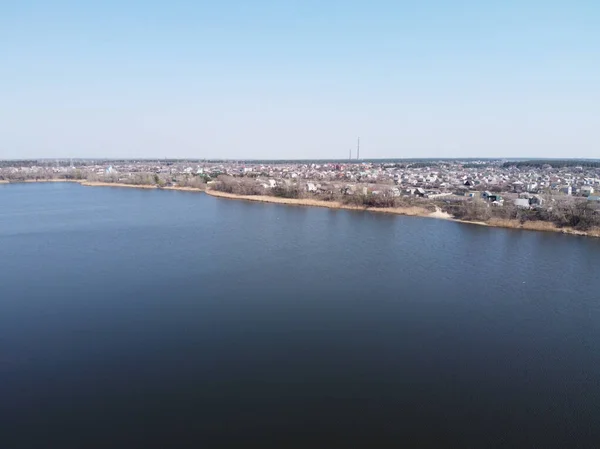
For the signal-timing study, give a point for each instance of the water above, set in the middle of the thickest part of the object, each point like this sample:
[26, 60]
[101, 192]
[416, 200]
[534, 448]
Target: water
[135, 318]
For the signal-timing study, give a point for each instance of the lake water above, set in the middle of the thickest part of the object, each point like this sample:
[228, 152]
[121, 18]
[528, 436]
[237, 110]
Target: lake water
[136, 318]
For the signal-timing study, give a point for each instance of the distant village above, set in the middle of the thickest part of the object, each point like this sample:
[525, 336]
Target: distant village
[497, 182]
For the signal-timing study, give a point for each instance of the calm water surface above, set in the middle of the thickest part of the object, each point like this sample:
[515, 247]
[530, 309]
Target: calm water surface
[133, 318]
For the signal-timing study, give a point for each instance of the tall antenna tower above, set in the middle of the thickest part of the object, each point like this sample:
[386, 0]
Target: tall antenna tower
[358, 149]
[350, 155]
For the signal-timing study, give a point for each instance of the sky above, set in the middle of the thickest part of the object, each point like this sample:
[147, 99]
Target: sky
[299, 79]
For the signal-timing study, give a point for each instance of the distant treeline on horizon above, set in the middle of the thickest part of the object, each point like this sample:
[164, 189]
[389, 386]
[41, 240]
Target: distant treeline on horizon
[65, 162]
[399, 162]
[557, 163]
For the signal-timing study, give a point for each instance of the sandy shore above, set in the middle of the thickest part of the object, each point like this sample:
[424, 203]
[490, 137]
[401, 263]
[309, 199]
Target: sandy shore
[410, 211]
[2, 181]
[115, 184]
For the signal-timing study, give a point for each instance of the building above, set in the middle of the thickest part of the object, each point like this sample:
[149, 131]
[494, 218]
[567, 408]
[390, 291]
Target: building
[522, 203]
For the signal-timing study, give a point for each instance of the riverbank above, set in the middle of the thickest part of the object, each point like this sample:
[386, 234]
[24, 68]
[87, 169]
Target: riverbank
[115, 184]
[413, 211]
[183, 189]
[542, 226]
[39, 181]
[85, 183]
[409, 211]
[137, 186]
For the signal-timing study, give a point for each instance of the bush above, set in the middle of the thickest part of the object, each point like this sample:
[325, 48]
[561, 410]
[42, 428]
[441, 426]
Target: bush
[238, 186]
[293, 191]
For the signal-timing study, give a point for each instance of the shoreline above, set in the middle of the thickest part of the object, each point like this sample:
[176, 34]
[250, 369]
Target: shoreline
[540, 226]
[40, 181]
[408, 211]
[137, 186]
[115, 184]
[411, 211]
[86, 183]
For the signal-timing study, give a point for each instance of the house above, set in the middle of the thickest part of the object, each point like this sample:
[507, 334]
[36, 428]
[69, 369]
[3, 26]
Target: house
[486, 194]
[536, 200]
[567, 190]
[518, 186]
[522, 203]
[586, 190]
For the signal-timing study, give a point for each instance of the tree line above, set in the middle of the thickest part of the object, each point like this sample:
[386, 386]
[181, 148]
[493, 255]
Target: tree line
[559, 163]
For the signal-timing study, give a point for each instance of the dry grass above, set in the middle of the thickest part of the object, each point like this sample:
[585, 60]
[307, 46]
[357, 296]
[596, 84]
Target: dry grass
[594, 232]
[184, 189]
[544, 226]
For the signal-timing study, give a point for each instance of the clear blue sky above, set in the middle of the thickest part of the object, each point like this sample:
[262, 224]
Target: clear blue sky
[299, 79]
